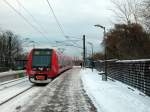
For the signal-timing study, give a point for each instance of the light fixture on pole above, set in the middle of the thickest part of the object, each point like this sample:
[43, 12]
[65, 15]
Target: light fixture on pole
[104, 76]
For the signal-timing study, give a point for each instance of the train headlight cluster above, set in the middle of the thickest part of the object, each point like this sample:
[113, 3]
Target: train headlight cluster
[41, 68]
[32, 72]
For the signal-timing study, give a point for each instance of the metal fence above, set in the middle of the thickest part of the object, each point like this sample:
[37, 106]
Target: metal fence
[135, 73]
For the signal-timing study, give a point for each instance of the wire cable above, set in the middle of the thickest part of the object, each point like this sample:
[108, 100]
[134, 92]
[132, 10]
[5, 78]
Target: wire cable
[33, 18]
[56, 19]
[24, 18]
[59, 25]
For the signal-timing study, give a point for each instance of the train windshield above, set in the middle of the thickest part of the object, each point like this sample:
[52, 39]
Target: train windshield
[41, 58]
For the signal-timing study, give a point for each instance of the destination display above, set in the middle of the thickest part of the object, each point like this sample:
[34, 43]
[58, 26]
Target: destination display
[42, 52]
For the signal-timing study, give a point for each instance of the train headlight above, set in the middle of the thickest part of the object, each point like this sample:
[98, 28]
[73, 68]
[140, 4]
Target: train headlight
[34, 69]
[46, 69]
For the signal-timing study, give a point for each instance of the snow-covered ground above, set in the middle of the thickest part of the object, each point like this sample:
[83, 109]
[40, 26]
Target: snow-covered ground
[9, 84]
[7, 93]
[10, 75]
[17, 103]
[113, 96]
[10, 81]
[2, 74]
[63, 94]
[66, 93]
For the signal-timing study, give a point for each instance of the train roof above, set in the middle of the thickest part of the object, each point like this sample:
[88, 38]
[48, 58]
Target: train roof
[42, 49]
[58, 53]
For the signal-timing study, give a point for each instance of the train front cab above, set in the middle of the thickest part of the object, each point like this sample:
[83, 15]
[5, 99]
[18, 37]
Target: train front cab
[42, 74]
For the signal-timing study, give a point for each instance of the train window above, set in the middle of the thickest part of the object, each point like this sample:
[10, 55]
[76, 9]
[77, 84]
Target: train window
[41, 61]
[41, 58]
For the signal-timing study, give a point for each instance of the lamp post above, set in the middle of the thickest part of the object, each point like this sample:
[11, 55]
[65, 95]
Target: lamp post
[104, 76]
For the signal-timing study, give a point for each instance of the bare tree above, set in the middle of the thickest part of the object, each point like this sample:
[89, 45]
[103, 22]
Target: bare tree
[145, 13]
[126, 10]
[5, 44]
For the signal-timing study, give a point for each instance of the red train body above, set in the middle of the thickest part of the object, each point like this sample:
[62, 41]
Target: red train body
[45, 64]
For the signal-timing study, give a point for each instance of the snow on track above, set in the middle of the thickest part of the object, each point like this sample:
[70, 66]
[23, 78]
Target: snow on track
[8, 93]
[11, 83]
[15, 105]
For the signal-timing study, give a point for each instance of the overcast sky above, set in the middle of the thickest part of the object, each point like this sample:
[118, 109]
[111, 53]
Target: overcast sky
[77, 17]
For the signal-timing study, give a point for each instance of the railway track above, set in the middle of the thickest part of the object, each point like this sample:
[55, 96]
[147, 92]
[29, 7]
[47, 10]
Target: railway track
[14, 96]
[14, 88]
[17, 98]
[12, 83]
[5, 87]
[7, 82]
[17, 84]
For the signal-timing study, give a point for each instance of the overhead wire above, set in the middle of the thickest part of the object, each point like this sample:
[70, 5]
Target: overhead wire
[27, 21]
[56, 19]
[58, 23]
[24, 18]
[37, 21]
[33, 18]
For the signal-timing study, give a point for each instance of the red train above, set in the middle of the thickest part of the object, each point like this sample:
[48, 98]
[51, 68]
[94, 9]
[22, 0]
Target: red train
[45, 64]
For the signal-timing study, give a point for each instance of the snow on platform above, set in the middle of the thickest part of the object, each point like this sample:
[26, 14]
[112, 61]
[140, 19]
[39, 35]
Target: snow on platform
[63, 94]
[113, 96]
[2, 74]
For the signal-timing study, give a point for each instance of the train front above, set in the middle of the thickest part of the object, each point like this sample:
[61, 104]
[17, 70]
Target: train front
[39, 65]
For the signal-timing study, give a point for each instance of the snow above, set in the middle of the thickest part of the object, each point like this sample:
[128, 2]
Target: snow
[113, 96]
[16, 105]
[63, 94]
[19, 102]
[125, 61]
[7, 93]
[138, 60]
[66, 90]
[2, 74]
[9, 81]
